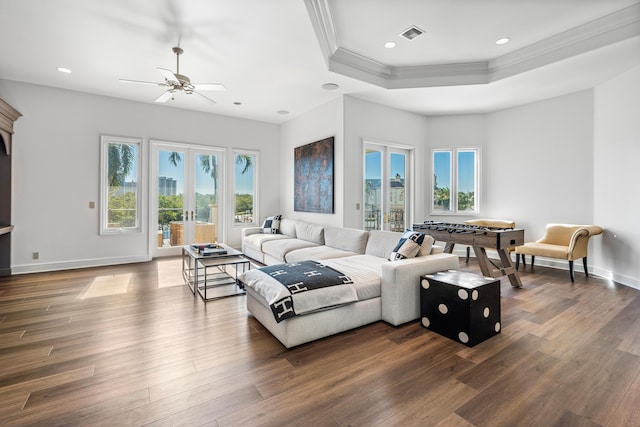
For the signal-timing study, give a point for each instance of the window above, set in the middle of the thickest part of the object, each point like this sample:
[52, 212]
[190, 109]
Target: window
[455, 171]
[245, 164]
[120, 185]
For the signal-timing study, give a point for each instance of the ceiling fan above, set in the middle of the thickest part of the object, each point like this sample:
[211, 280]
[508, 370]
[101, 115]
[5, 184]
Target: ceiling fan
[178, 82]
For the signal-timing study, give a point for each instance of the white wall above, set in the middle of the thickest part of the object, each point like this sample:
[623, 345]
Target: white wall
[55, 170]
[536, 161]
[468, 130]
[320, 123]
[378, 123]
[539, 163]
[616, 200]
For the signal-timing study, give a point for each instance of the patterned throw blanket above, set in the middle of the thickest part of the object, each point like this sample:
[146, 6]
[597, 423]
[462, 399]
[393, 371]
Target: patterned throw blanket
[301, 287]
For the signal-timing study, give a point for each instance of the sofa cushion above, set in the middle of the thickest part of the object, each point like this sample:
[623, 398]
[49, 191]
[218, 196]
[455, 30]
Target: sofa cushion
[381, 243]
[364, 270]
[347, 239]
[408, 246]
[310, 232]
[271, 224]
[280, 248]
[316, 253]
[288, 227]
[256, 240]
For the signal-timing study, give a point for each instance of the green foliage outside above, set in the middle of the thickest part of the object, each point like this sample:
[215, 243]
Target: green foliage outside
[441, 196]
[169, 209]
[122, 209]
[466, 201]
[122, 206]
[244, 203]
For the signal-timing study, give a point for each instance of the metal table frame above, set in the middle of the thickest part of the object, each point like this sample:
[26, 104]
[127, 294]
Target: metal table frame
[202, 272]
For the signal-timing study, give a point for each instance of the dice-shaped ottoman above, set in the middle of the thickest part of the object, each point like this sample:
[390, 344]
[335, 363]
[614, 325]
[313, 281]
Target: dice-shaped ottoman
[460, 305]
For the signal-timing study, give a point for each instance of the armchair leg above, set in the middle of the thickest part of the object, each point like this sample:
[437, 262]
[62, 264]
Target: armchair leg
[468, 251]
[517, 261]
[584, 262]
[533, 259]
[571, 270]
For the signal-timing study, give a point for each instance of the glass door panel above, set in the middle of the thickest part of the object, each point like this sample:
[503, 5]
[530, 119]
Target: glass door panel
[385, 188]
[372, 189]
[397, 191]
[205, 197]
[186, 203]
[170, 198]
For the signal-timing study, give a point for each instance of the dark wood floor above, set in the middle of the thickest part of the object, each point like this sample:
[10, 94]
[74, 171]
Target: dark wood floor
[130, 345]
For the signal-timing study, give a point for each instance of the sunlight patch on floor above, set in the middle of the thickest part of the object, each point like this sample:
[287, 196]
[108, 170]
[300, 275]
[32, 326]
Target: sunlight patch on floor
[113, 284]
[170, 273]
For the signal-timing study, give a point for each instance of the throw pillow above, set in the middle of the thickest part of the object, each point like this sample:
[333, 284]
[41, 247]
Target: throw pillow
[425, 247]
[271, 224]
[408, 246]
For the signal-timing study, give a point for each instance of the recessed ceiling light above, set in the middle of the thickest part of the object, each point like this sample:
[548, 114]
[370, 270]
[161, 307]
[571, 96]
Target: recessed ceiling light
[282, 112]
[330, 86]
[503, 40]
[64, 70]
[390, 45]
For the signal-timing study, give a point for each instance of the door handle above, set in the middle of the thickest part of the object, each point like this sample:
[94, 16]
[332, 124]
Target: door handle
[186, 215]
[191, 215]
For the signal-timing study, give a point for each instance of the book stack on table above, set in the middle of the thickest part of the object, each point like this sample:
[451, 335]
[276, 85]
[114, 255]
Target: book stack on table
[207, 249]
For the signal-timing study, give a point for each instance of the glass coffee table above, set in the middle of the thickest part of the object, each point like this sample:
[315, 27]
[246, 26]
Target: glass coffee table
[214, 275]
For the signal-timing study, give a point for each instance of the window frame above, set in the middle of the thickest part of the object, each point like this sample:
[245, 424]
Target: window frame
[256, 214]
[105, 142]
[454, 178]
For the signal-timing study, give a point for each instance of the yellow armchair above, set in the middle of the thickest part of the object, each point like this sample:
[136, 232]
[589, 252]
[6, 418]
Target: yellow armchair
[561, 241]
[496, 223]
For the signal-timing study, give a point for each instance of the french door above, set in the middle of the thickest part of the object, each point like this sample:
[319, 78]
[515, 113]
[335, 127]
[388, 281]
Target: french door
[386, 187]
[186, 196]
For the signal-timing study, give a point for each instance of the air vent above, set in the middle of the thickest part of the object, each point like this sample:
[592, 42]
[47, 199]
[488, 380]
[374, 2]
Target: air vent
[412, 32]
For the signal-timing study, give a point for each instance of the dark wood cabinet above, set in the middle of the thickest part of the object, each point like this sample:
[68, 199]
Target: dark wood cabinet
[8, 115]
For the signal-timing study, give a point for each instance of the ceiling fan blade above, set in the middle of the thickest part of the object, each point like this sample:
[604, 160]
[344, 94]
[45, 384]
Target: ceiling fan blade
[205, 97]
[209, 86]
[169, 76]
[165, 96]
[141, 82]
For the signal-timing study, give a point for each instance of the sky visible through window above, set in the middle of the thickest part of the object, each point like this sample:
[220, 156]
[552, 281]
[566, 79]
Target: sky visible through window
[373, 165]
[466, 166]
[204, 182]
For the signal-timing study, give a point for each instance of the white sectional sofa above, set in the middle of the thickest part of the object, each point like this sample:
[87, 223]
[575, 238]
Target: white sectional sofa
[386, 290]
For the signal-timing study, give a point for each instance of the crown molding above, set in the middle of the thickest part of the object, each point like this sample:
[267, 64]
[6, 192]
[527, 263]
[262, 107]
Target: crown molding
[322, 21]
[609, 29]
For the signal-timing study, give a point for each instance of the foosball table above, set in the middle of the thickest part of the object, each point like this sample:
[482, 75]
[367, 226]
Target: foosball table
[479, 238]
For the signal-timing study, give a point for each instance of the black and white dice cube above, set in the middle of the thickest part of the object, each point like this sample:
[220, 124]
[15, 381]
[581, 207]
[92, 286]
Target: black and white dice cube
[460, 305]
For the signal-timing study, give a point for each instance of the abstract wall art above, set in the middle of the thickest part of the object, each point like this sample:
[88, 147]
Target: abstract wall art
[313, 186]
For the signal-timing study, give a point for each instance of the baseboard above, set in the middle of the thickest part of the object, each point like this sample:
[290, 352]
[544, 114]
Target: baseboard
[72, 265]
[564, 265]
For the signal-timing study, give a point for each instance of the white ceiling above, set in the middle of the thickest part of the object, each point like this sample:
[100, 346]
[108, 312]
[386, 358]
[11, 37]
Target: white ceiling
[274, 55]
